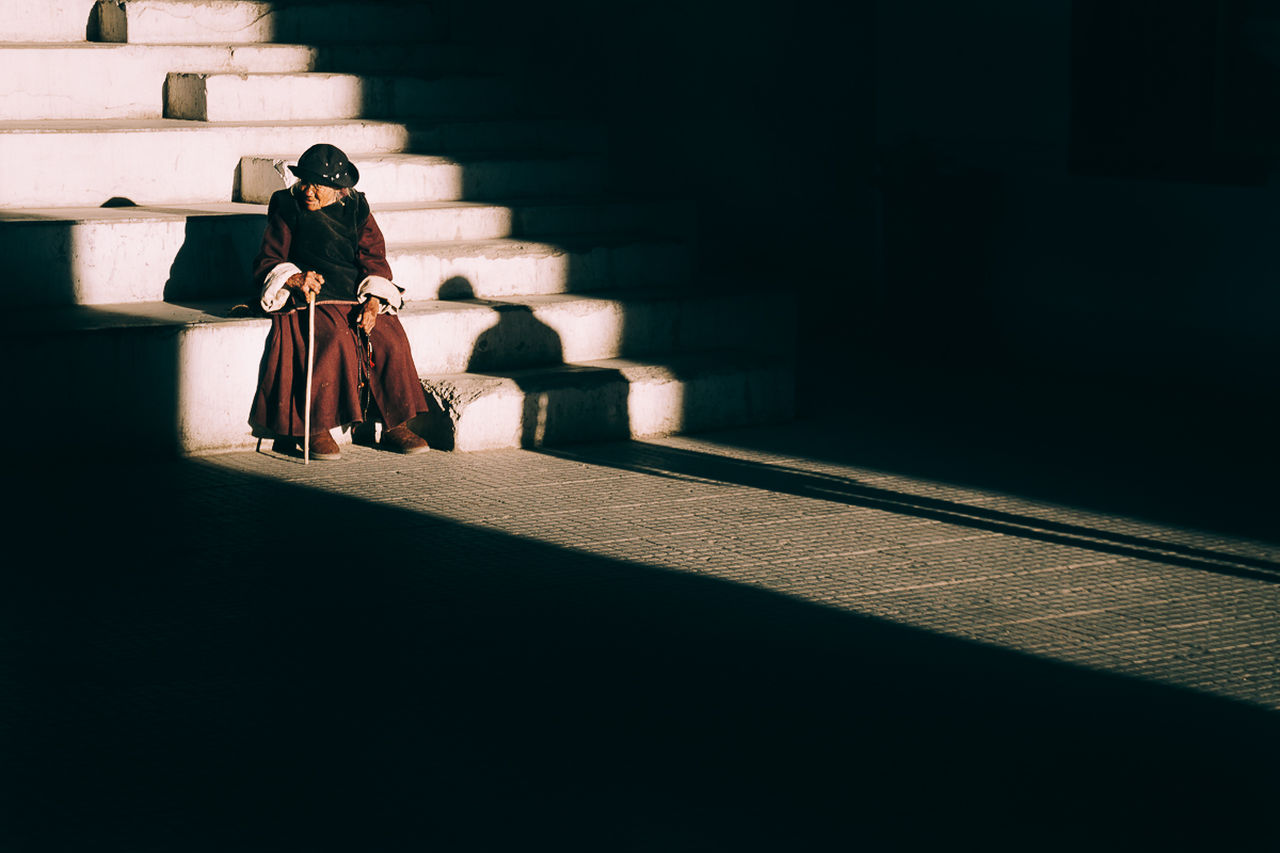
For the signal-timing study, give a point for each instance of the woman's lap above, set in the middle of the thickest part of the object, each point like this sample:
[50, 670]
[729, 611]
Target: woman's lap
[278, 402]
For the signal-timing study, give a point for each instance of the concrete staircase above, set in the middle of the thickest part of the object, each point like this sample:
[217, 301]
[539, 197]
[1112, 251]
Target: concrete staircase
[141, 139]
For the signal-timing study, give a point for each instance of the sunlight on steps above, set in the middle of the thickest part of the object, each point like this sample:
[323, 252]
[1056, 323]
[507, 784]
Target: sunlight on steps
[141, 139]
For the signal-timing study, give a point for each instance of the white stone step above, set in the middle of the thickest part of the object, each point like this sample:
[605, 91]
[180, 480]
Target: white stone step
[156, 161]
[95, 256]
[45, 20]
[319, 95]
[106, 81]
[500, 268]
[162, 378]
[413, 222]
[250, 21]
[606, 399]
[666, 217]
[533, 135]
[390, 178]
[480, 335]
[443, 221]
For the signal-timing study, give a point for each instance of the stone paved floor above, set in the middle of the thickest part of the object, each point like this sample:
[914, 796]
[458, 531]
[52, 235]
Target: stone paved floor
[805, 637]
[1181, 606]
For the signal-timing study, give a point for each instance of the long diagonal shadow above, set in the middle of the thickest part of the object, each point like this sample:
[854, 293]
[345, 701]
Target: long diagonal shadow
[268, 666]
[678, 463]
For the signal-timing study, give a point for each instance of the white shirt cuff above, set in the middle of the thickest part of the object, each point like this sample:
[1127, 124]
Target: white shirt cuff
[376, 285]
[274, 293]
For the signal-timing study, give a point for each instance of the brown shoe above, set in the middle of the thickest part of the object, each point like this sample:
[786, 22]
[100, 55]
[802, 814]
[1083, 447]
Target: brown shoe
[324, 447]
[401, 439]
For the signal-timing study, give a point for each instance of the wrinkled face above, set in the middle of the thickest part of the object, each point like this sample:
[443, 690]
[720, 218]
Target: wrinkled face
[316, 196]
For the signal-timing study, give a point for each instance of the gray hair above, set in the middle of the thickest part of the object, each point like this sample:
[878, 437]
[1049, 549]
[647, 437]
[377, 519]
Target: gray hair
[344, 193]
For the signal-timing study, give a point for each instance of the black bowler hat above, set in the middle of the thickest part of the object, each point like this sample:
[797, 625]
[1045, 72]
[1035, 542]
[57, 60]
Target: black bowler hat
[326, 165]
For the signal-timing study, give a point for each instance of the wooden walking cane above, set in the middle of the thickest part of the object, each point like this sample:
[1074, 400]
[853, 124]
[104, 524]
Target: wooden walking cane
[311, 360]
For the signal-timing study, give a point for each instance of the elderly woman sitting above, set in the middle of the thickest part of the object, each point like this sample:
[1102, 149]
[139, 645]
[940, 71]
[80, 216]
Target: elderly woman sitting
[322, 243]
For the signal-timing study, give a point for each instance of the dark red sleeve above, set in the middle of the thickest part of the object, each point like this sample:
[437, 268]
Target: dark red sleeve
[371, 255]
[275, 241]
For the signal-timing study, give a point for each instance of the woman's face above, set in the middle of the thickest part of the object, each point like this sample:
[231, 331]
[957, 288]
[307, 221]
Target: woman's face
[316, 196]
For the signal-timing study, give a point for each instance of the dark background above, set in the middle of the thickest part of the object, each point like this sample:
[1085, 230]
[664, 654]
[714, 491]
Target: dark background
[1054, 204]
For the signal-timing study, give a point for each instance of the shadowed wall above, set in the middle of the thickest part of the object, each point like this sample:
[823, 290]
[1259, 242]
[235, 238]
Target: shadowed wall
[761, 112]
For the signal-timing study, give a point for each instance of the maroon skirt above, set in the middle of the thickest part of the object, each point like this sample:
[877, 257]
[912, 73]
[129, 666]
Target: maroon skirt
[396, 392]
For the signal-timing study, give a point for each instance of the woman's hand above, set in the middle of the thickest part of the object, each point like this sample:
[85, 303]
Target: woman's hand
[308, 284]
[369, 314]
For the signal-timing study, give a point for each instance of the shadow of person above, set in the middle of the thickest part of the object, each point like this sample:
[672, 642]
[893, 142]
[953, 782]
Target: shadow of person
[216, 251]
[559, 401]
[518, 339]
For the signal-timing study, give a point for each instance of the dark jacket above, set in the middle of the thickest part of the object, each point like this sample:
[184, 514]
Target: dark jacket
[342, 242]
